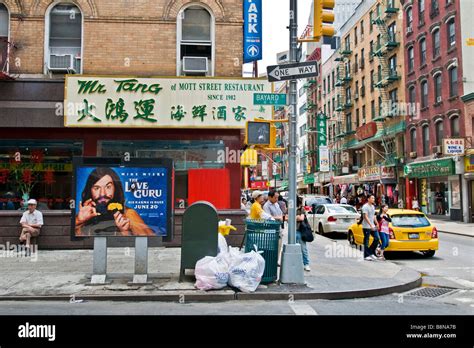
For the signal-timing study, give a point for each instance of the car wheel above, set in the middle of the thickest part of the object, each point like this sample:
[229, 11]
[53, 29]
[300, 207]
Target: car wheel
[351, 238]
[321, 230]
[428, 253]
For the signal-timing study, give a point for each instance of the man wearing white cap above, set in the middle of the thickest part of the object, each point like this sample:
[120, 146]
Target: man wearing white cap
[31, 223]
[256, 210]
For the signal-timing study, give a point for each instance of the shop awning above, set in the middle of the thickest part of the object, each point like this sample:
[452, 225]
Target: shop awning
[346, 179]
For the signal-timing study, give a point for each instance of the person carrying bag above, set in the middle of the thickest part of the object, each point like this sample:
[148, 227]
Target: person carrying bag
[303, 228]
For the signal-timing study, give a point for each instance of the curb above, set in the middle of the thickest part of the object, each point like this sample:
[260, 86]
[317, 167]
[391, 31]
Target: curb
[184, 297]
[456, 233]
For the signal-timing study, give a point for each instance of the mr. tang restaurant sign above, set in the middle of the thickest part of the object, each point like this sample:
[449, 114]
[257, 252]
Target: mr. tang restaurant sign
[366, 131]
[162, 102]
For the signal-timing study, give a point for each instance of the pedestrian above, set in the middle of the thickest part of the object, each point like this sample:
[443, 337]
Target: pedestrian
[384, 219]
[439, 197]
[300, 216]
[244, 206]
[369, 226]
[272, 207]
[343, 200]
[400, 203]
[256, 210]
[31, 222]
[415, 205]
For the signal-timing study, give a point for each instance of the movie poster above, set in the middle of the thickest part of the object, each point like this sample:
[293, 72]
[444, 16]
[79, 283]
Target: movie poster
[121, 201]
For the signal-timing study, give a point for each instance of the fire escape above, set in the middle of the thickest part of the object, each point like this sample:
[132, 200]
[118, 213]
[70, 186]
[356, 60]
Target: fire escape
[386, 74]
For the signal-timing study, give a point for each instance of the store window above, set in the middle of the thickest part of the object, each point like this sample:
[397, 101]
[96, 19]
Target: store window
[64, 40]
[37, 169]
[4, 24]
[186, 155]
[426, 140]
[195, 42]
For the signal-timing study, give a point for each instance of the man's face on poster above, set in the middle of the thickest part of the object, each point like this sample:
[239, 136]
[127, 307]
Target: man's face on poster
[103, 190]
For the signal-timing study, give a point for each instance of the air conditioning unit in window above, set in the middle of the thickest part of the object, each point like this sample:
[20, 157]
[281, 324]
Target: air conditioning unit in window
[61, 62]
[437, 150]
[195, 65]
[413, 154]
[409, 30]
[438, 99]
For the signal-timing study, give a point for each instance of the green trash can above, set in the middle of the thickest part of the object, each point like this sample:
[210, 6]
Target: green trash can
[265, 235]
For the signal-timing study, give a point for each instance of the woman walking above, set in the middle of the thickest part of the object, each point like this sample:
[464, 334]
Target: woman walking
[300, 216]
[383, 219]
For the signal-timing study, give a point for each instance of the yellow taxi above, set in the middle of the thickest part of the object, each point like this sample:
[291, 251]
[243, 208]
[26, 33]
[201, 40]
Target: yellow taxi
[410, 230]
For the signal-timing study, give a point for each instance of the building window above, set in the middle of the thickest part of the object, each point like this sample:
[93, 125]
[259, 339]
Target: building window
[361, 30]
[371, 53]
[413, 139]
[412, 94]
[347, 43]
[372, 109]
[426, 140]
[348, 123]
[438, 87]
[363, 113]
[324, 85]
[423, 51]
[393, 65]
[421, 12]
[355, 36]
[454, 121]
[451, 33]
[348, 94]
[394, 95]
[379, 73]
[371, 17]
[362, 88]
[357, 118]
[333, 80]
[372, 81]
[195, 42]
[329, 83]
[64, 39]
[362, 58]
[411, 59]
[380, 106]
[45, 173]
[4, 24]
[301, 91]
[453, 82]
[392, 30]
[436, 44]
[302, 109]
[357, 90]
[434, 11]
[424, 94]
[409, 16]
[439, 133]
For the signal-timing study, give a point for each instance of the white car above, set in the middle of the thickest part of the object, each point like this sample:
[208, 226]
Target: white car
[327, 218]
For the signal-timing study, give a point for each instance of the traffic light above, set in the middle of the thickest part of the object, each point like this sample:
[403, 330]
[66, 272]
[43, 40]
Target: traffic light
[262, 134]
[322, 16]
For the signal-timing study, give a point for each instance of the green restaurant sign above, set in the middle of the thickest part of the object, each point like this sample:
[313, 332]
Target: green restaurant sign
[269, 99]
[442, 167]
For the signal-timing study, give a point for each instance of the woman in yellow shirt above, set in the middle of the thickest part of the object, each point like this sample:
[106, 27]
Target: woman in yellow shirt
[256, 210]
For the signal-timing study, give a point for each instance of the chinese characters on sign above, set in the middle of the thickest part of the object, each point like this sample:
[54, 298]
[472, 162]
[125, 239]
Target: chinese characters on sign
[164, 102]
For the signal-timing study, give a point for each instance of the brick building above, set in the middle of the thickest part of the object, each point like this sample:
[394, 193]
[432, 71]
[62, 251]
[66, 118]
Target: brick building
[42, 41]
[434, 80]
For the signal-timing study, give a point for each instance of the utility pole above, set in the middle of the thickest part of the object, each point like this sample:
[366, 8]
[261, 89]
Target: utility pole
[292, 259]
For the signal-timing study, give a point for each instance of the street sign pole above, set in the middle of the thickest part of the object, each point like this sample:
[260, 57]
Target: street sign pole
[292, 266]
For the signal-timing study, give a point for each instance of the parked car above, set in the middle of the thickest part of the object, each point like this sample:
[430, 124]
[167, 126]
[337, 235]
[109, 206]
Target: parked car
[410, 230]
[325, 218]
[315, 200]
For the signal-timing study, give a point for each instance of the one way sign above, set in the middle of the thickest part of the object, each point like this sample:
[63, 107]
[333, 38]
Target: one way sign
[292, 71]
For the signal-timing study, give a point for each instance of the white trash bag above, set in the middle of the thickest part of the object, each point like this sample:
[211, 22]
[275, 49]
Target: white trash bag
[211, 273]
[221, 245]
[246, 271]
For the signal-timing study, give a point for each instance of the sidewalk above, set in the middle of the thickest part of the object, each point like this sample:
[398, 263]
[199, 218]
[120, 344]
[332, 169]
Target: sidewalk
[337, 272]
[454, 227]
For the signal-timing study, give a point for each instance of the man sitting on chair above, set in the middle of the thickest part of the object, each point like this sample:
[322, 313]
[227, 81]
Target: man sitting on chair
[31, 223]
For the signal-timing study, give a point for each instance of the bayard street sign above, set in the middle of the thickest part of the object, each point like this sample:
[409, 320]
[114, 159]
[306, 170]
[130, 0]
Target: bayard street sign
[292, 71]
[269, 99]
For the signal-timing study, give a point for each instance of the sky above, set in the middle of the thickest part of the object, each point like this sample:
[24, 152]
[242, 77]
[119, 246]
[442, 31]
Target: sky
[275, 34]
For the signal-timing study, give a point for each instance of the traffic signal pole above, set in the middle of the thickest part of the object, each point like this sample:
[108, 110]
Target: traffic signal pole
[291, 271]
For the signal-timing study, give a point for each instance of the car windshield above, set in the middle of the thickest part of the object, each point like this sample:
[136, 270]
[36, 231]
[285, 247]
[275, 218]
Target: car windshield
[341, 209]
[414, 220]
[318, 200]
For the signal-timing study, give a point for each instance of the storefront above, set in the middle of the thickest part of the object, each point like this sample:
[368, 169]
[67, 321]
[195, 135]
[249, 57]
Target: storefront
[469, 184]
[436, 187]
[381, 182]
[345, 185]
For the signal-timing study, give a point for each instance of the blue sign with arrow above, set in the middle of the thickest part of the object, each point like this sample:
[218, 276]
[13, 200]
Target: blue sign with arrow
[252, 30]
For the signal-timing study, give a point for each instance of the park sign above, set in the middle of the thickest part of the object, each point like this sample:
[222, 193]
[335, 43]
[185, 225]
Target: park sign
[292, 71]
[269, 99]
[252, 30]
[164, 102]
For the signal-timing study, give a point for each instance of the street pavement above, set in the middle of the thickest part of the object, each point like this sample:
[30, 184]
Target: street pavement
[338, 271]
[453, 227]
